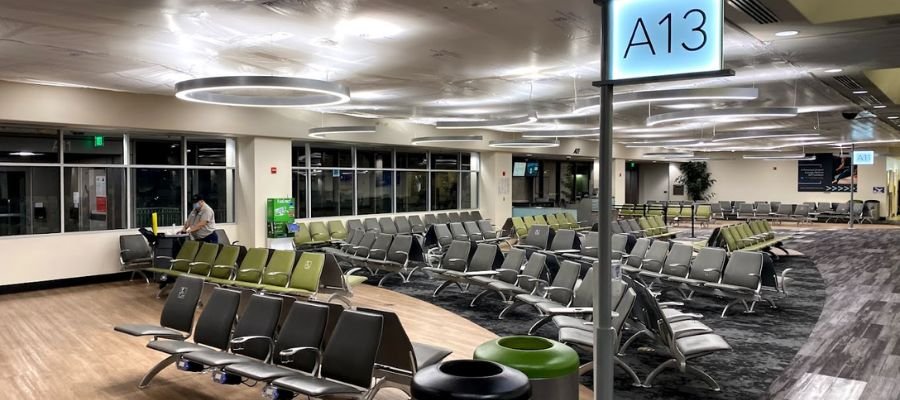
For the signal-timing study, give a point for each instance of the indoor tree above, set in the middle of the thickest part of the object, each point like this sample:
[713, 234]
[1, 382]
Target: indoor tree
[696, 179]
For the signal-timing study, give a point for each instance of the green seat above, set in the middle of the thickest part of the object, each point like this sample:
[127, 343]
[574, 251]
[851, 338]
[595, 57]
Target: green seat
[648, 229]
[202, 262]
[302, 237]
[686, 213]
[250, 271]
[573, 223]
[305, 278]
[731, 242]
[627, 210]
[521, 229]
[185, 256]
[226, 262]
[657, 222]
[656, 210]
[529, 221]
[337, 230]
[563, 221]
[704, 213]
[540, 220]
[673, 212]
[553, 222]
[319, 232]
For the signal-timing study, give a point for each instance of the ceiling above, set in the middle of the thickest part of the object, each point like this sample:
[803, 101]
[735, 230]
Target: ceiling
[429, 60]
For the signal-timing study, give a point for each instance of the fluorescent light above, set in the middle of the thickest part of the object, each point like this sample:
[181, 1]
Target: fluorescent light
[719, 114]
[868, 142]
[880, 106]
[659, 96]
[834, 70]
[23, 154]
[576, 133]
[786, 33]
[893, 117]
[484, 124]
[860, 91]
[523, 143]
[308, 92]
[328, 130]
[445, 139]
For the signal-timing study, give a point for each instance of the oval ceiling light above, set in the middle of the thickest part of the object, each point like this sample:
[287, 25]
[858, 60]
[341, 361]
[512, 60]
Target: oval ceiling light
[329, 130]
[660, 96]
[445, 139]
[723, 114]
[485, 124]
[776, 156]
[787, 33]
[765, 134]
[262, 91]
[523, 143]
[671, 154]
[573, 133]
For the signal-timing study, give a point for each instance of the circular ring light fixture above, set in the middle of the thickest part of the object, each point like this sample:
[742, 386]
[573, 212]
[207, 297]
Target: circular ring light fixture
[671, 154]
[251, 91]
[495, 123]
[719, 114]
[771, 134]
[523, 143]
[572, 133]
[445, 139]
[328, 130]
[776, 156]
[674, 95]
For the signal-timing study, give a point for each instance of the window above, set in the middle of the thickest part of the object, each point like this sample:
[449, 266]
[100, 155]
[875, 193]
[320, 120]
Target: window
[217, 187]
[378, 159]
[208, 152]
[94, 198]
[444, 190]
[331, 192]
[93, 148]
[407, 160]
[445, 161]
[158, 191]
[29, 200]
[468, 189]
[412, 191]
[156, 151]
[27, 145]
[299, 190]
[330, 157]
[375, 192]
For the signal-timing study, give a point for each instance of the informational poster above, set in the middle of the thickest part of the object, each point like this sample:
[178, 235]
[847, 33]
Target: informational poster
[100, 194]
[826, 173]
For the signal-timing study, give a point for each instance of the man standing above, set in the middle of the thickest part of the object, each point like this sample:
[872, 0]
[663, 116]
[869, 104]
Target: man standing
[201, 222]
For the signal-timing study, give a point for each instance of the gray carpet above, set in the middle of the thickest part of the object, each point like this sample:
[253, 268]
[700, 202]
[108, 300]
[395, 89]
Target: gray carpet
[764, 343]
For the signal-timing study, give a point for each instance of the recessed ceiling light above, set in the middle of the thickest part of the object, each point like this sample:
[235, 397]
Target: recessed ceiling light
[368, 28]
[860, 91]
[328, 130]
[786, 33]
[671, 154]
[562, 133]
[880, 106]
[834, 70]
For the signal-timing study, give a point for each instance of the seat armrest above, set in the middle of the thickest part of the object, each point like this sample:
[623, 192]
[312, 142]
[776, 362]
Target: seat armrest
[221, 266]
[238, 341]
[671, 304]
[287, 356]
[483, 273]
[277, 273]
[571, 310]
[551, 289]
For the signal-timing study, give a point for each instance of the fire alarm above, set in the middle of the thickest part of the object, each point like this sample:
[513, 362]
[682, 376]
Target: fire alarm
[273, 170]
[503, 173]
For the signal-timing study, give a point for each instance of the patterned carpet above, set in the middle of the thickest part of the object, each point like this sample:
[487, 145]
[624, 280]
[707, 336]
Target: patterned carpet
[763, 343]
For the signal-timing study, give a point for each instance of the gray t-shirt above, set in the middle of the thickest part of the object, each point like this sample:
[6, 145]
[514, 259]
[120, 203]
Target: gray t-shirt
[204, 213]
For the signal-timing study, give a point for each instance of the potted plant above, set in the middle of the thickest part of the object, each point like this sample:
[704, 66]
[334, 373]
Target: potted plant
[697, 180]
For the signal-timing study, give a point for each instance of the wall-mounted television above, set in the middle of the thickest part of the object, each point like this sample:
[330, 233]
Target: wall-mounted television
[532, 168]
[518, 169]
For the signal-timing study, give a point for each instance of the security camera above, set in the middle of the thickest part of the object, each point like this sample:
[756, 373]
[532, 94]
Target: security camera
[849, 115]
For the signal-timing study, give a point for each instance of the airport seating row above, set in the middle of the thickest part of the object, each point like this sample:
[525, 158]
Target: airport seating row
[320, 233]
[751, 235]
[562, 220]
[651, 227]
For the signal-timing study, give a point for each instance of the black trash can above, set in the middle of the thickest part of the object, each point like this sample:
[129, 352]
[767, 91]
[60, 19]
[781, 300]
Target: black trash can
[468, 380]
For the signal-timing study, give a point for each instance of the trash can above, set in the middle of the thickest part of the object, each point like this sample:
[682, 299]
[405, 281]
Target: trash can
[470, 379]
[551, 366]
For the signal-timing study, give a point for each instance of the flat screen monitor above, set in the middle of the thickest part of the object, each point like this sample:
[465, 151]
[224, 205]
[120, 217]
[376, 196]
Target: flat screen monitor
[531, 169]
[519, 169]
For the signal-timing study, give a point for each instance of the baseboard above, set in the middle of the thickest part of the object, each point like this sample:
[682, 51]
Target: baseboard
[61, 283]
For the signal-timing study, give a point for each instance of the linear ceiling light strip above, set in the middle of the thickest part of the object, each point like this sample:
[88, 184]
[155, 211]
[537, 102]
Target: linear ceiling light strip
[495, 123]
[304, 92]
[765, 134]
[723, 113]
[445, 139]
[328, 130]
[659, 96]
[523, 143]
[576, 133]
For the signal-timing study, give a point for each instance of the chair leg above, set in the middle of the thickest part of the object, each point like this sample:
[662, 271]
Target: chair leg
[483, 293]
[668, 364]
[441, 288]
[635, 381]
[537, 325]
[157, 369]
[704, 377]
[631, 340]
[586, 368]
[727, 306]
[749, 309]
[510, 307]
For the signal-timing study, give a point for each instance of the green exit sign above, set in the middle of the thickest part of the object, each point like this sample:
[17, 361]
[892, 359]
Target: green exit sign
[98, 141]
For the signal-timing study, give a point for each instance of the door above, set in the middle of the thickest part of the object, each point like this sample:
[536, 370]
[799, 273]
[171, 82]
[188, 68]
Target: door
[632, 183]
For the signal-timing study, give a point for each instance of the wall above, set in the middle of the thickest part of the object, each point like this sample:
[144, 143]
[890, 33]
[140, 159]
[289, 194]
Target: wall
[654, 181]
[256, 183]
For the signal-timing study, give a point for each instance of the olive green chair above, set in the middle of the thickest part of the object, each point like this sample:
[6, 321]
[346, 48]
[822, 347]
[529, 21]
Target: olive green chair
[553, 222]
[185, 256]
[337, 230]
[202, 263]
[224, 265]
[529, 221]
[305, 277]
[540, 220]
[277, 273]
[319, 232]
[521, 229]
[250, 271]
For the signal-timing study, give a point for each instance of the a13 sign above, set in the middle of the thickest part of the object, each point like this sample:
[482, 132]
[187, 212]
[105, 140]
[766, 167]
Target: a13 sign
[653, 38]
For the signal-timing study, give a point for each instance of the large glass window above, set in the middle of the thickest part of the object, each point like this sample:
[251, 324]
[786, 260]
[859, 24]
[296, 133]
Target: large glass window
[468, 189]
[29, 200]
[330, 157]
[412, 160]
[444, 190]
[29, 145]
[331, 192]
[375, 192]
[94, 199]
[208, 152]
[160, 150]
[299, 190]
[93, 148]
[377, 159]
[217, 187]
[158, 190]
[412, 191]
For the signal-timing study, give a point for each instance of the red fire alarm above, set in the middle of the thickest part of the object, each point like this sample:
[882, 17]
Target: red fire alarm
[503, 173]
[273, 170]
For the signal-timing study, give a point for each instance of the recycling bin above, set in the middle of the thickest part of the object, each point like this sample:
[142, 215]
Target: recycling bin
[551, 366]
[470, 379]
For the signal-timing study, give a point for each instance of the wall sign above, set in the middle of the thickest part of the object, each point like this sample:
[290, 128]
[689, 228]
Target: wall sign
[826, 173]
[657, 38]
[878, 189]
[864, 157]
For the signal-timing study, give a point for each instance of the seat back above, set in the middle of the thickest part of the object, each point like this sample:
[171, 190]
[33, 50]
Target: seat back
[552, 221]
[703, 211]
[465, 216]
[673, 211]
[188, 251]
[763, 209]
[726, 205]
[396, 351]
[785, 209]
[486, 229]
[459, 250]
[824, 206]
[623, 308]
[802, 210]
[259, 319]
[416, 225]
[133, 247]
[278, 270]
[528, 220]
[842, 208]
[454, 217]
[584, 292]
[656, 256]
[217, 318]
[564, 240]
[442, 234]
[380, 247]
[566, 277]
[745, 208]
[678, 261]
[619, 244]
[430, 219]
[564, 222]
[539, 236]
[534, 268]
[222, 236]
[708, 264]
[400, 249]
[206, 257]
[228, 257]
[308, 272]
[304, 327]
[178, 312]
[302, 236]
[355, 224]
[570, 218]
[336, 230]
[350, 354]
[476, 215]
[615, 227]
[540, 220]
[638, 251]
[514, 260]
[731, 242]
[473, 230]
[458, 232]
[487, 257]
[371, 225]
[252, 266]
[519, 225]
[368, 240]
[403, 226]
[636, 227]
[716, 208]
[743, 269]
[319, 231]
[443, 218]
[387, 225]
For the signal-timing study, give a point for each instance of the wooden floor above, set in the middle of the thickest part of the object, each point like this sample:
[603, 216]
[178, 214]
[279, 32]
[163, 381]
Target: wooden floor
[60, 344]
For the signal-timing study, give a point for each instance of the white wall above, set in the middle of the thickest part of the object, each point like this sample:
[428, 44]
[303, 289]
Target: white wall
[654, 181]
[256, 183]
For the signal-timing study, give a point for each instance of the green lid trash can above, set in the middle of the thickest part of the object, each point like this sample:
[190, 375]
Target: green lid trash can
[551, 366]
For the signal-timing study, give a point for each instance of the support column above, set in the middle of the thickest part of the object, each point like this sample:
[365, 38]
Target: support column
[495, 190]
[256, 183]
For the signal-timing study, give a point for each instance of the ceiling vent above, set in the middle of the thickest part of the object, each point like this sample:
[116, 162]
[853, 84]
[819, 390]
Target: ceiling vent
[870, 100]
[756, 10]
[848, 82]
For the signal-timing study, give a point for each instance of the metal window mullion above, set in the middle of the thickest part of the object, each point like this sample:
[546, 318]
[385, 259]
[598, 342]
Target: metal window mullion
[129, 201]
[308, 180]
[62, 186]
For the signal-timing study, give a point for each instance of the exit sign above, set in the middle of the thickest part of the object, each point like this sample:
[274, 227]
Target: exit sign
[662, 38]
[98, 141]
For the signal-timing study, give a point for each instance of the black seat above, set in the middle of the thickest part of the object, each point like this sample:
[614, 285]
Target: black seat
[458, 231]
[430, 219]
[354, 224]
[371, 225]
[443, 218]
[177, 317]
[454, 217]
[135, 255]
[403, 226]
[387, 225]
[223, 237]
[476, 215]
[465, 216]
[258, 321]
[347, 364]
[417, 227]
